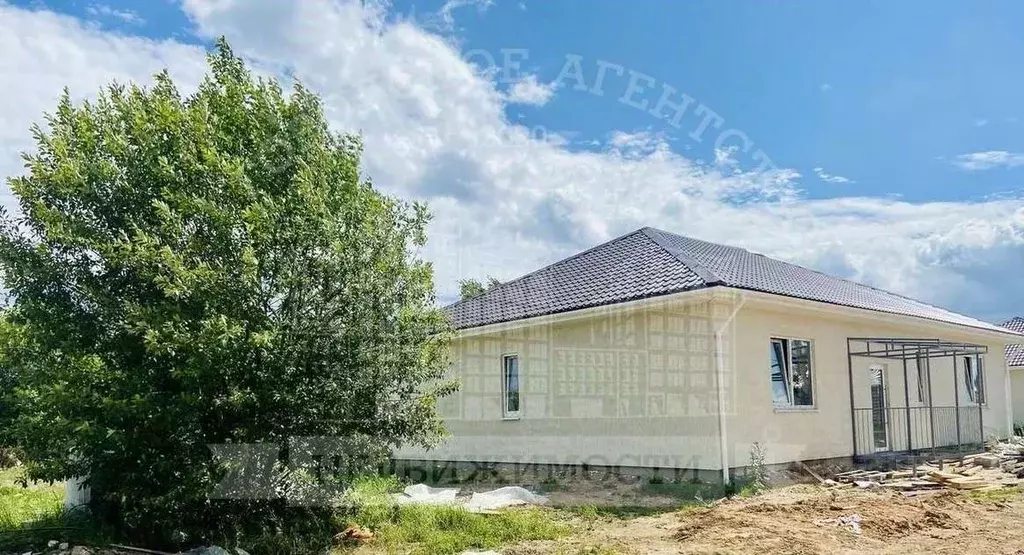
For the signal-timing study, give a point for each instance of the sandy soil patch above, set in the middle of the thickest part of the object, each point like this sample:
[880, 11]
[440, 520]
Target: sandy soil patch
[802, 520]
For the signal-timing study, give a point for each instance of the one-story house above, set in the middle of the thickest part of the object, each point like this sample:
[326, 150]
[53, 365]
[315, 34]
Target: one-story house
[655, 350]
[1015, 363]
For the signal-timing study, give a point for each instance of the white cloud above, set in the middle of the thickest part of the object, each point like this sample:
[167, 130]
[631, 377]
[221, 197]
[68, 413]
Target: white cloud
[831, 178]
[44, 52]
[976, 161]
[825, 87]
[103, 10]
[528, 90]
[980, 122]
[505, 202]
[447, 10]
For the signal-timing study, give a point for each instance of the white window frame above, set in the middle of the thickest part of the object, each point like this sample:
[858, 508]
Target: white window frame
[787, 373]
[979, 367]
[507, 414]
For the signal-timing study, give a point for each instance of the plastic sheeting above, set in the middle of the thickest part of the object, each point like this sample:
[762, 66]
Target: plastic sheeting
[423, 494]
[479, 502]
[503, 497]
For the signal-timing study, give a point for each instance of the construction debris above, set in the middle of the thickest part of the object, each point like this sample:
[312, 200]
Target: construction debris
[852, 522]
[353, 534]
[1003, 467]
[808, 470]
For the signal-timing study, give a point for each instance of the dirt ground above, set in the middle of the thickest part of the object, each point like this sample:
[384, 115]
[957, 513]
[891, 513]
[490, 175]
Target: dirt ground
[802, 520]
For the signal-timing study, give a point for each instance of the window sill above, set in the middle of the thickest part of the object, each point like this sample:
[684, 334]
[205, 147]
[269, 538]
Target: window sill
[795, 409]
[510, 418]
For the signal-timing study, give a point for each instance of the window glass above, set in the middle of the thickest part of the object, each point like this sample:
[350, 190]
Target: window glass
[511, 385]
[979, 378]
[780, 387]
[790, 371]
[800, 353]
[922, 379]
[974, 381]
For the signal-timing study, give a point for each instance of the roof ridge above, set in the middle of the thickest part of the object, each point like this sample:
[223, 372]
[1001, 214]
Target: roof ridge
[538, 270]
[705, 273]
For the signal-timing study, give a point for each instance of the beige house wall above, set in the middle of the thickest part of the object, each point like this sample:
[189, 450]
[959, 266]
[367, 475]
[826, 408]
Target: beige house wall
[632, 388]
[1017, 389]
[826, 430]
[636, 386]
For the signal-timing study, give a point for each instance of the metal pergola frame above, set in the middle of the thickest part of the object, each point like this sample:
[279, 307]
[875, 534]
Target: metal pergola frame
[904, 349]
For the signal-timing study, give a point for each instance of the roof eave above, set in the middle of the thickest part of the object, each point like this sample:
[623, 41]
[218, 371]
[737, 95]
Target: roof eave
[890, 317]
[688, 295]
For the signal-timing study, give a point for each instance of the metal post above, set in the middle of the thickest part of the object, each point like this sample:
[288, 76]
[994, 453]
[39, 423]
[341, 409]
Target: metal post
[931, 399]
[853, 412]
[906, 403]
[956, 402]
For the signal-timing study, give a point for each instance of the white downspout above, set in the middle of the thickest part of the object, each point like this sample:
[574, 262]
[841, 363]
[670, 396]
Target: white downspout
[723, 441]
[1008, 399]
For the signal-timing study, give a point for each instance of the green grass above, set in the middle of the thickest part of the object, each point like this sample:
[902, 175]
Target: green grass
[996, 495]
[31, 516]
[444, 529]
[447, 529]
[20, 506]
[27, 514]
[684, 491]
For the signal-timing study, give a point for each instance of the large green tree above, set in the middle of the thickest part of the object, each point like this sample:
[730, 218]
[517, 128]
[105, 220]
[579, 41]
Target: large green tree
[204, 270]
[9, 344]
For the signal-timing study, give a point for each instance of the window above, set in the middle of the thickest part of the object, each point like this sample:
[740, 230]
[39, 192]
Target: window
[510, 386]
[790, 367]
[923, 375]
[974, 379]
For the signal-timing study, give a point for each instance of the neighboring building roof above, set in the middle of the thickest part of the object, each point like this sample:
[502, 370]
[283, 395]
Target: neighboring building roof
[1015, 353]
[650, 262]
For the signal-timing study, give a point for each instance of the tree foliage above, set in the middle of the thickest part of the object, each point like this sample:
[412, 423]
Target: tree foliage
[469, 288]
[210, 269]
[9, 344]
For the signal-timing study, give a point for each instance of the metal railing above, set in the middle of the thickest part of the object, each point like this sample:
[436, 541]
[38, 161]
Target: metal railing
[899, 429]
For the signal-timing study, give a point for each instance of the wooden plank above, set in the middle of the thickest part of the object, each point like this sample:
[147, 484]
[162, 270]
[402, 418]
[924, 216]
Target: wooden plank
[808, 470]
[969, 483]
[905, 486]
[972, 471]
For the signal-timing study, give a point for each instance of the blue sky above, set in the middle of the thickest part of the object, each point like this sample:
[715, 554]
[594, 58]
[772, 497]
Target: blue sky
[885, 94]
[893, 128]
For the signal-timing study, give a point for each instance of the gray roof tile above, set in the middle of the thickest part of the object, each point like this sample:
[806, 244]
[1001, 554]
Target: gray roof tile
[650, 262]
[1015, 353]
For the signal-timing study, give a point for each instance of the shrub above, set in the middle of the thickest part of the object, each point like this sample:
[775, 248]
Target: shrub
[212, 270]
[757, 472]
